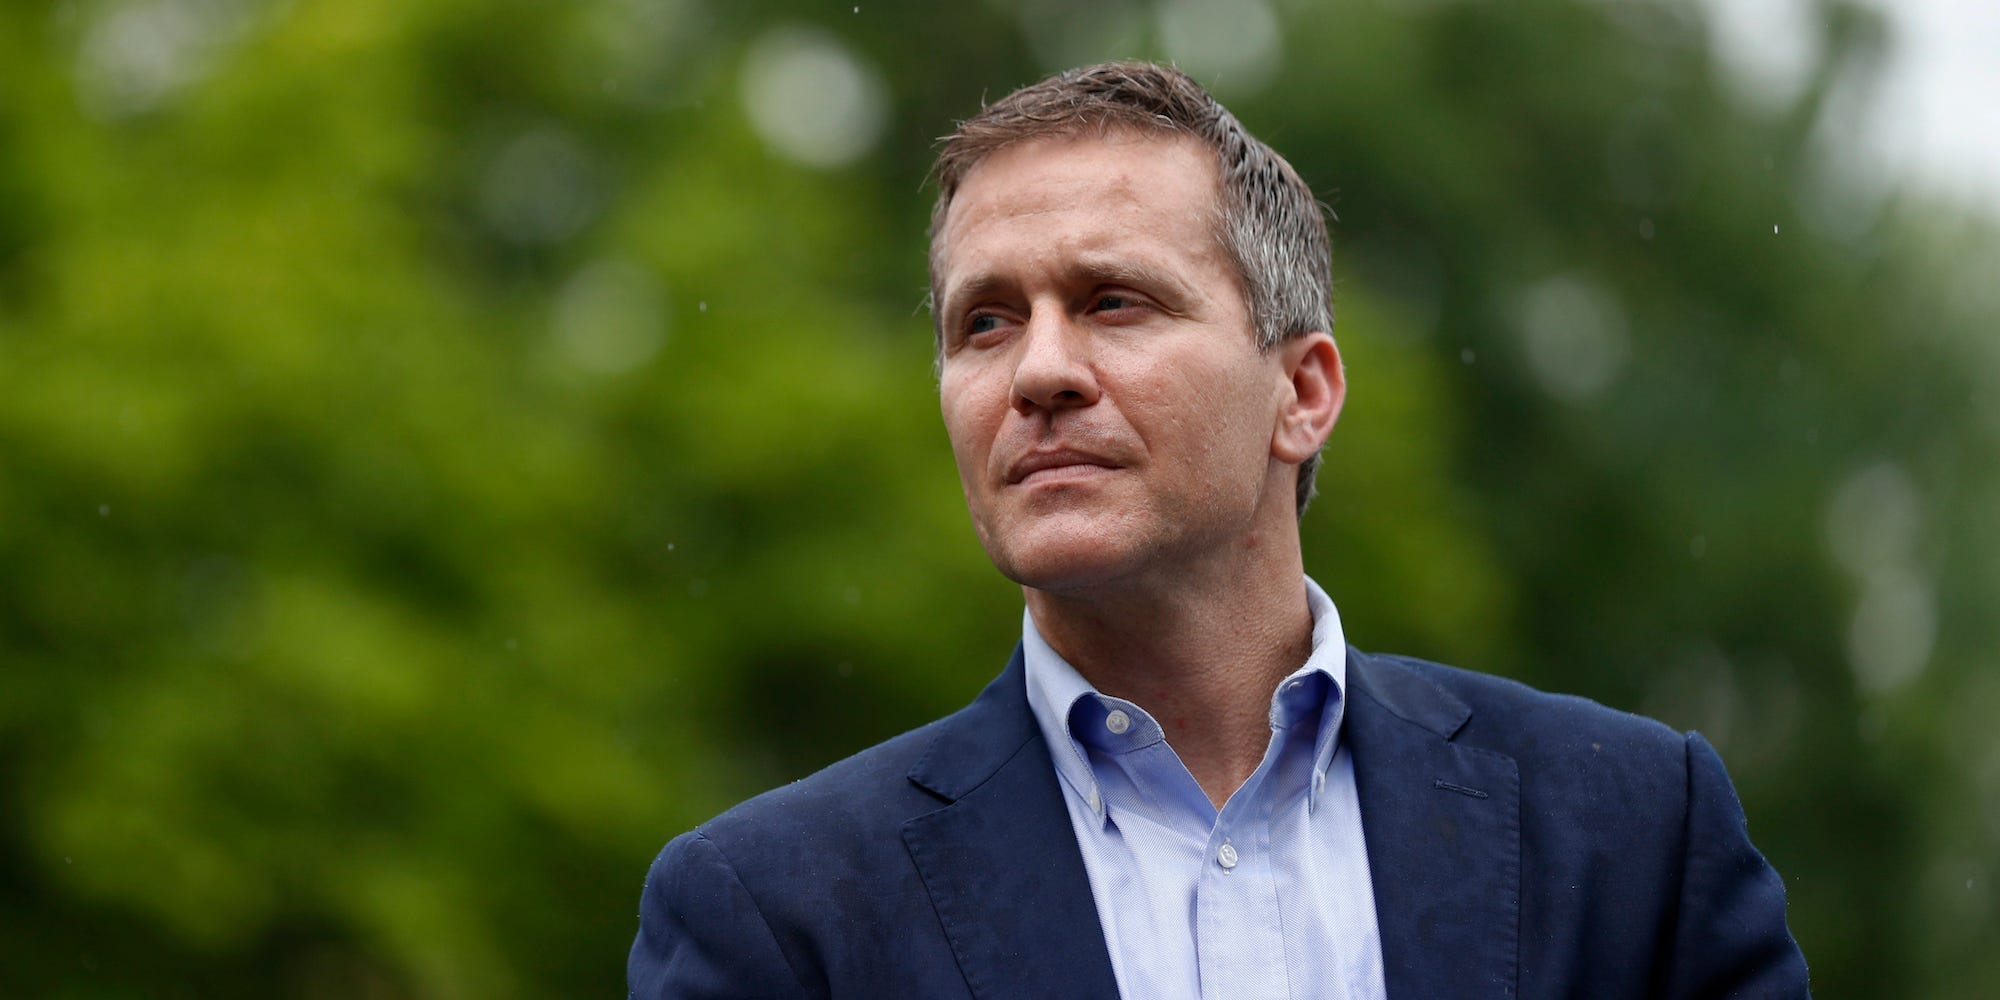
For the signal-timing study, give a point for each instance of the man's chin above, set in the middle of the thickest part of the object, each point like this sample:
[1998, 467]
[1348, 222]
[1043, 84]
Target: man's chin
[1064, 568]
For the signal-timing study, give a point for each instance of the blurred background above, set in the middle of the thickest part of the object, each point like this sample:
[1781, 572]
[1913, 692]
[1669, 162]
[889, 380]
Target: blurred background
[447, 448]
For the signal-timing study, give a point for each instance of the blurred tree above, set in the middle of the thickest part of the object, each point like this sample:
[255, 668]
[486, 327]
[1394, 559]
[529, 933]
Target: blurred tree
[448, 448]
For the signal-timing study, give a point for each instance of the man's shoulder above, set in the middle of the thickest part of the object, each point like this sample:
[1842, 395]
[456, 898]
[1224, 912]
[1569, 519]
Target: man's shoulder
[872, 788]
[808, 883]
[1581, 766]
[856, 808]
[1521, 721]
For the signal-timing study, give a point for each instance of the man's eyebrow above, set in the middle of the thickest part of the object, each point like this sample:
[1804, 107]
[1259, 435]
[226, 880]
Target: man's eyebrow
[973, 289]
[1136, 273]
[1088, 270]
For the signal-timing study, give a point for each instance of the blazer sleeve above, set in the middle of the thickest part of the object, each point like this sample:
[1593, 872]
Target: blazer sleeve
[1730, 937]
[701, 935]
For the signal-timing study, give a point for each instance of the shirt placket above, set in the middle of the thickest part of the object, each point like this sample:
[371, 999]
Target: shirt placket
[1239, 947]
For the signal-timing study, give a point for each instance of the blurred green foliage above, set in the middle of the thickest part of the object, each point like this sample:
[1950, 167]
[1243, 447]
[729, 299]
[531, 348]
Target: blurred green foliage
[448, 448]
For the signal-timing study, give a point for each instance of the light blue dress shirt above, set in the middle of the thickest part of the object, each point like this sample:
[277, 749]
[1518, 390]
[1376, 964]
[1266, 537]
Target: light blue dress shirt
[1268, 897]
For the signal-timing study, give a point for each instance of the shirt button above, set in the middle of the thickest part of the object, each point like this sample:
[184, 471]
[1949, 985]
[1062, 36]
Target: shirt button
[1118, 722]
[1226, 856]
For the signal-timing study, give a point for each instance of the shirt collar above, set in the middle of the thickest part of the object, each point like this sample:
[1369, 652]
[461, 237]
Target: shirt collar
[1328, 660]
[1055, 688]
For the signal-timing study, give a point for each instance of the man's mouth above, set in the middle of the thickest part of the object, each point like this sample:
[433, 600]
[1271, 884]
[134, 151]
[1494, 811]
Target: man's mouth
[1056, 465]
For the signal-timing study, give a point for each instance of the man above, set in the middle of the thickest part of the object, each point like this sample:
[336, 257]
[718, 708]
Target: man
[1184, 783]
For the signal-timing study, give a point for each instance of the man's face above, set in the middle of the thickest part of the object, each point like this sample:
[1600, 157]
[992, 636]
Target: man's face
[1107, 404]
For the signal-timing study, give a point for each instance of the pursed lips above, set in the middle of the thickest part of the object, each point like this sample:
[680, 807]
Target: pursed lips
[1061, 462]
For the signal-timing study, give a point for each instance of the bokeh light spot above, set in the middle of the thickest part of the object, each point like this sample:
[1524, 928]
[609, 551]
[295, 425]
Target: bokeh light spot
[1874, 523]
[1233, 46]
[541, 188]
[1874, 518]
[811, 99]
[1575, 337]
[610, 317]
[138, 54]
[1063, 34]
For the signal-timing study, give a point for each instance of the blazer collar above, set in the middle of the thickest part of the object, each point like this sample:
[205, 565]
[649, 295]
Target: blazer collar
[1000, 860]
[1406, 694]
[972, 744]
[1441, 819]
[1443, 825]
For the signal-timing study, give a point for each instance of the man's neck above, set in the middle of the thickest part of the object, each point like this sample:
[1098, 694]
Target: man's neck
[1201, 654]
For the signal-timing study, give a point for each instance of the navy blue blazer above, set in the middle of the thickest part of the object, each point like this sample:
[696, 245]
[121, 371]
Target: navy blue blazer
[1521, 844]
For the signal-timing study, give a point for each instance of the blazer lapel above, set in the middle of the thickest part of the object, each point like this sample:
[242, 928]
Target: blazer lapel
[1000, 860]
[1442, 822]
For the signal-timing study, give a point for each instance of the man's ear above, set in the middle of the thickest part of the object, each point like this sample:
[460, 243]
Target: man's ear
[1316, 387]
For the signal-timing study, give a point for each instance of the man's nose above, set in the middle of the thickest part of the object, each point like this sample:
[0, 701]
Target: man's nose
[1053, 371]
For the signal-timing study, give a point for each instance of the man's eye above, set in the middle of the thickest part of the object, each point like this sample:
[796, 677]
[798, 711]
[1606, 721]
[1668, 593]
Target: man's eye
[982, 324]
[1113, 302]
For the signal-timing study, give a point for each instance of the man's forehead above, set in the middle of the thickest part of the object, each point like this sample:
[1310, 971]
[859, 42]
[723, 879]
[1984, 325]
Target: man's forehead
[1049, 174]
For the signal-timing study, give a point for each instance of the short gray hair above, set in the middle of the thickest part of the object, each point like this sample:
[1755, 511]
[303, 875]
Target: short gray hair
[1269, 223]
